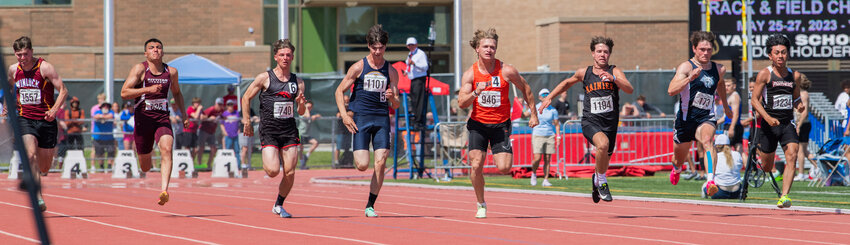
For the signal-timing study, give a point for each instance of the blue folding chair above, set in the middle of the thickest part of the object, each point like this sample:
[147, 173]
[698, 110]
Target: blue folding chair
[831, 163]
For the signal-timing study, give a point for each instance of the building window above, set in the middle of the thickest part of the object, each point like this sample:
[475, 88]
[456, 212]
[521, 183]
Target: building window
[354, 23]
[34, 2]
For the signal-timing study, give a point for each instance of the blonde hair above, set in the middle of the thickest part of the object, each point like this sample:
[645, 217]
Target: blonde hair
[481, 35]
[727, 152]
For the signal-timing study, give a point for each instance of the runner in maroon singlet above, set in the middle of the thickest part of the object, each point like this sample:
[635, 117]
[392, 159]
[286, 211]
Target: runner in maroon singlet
[34, 81]
[149, 83]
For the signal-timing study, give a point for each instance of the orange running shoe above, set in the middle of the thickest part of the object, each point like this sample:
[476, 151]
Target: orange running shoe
[163, 198]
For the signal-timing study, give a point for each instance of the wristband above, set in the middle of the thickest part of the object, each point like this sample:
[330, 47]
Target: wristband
[615, 78]
[474, 93]
[796, 100]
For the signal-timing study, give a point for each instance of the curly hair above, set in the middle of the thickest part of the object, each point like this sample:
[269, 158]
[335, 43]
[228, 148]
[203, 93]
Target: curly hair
[481, 35]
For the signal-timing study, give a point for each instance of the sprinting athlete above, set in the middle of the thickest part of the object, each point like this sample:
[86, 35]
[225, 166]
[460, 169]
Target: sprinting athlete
[600, 117]
[485, 86]
[149, 83]
[34, 81]
[375, 91]
[281, 93]
[696, 82]
[777, 85]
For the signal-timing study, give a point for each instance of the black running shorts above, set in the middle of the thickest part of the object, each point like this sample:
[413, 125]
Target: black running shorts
[497, 136]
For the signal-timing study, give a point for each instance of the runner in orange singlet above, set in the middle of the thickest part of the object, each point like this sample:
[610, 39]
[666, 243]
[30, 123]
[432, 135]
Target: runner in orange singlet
[485, 86]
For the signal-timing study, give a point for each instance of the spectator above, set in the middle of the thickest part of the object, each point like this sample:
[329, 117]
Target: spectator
[460, 113]
[62, 136]
[230, 129]
[304, 122]
[644, 109]
[732, 126]
[176, 118]
[74, 135]
[206, 134]
[231, 97]
[104, 142]
[543, 139]
[629, 110]
[343, 137]
[727, 171]
[247, 142]
[189, 137]
[843, 97]
[127, 117]
[562, 105]
[117, 132]
[417, 70]
[95, 108]
[804, 127]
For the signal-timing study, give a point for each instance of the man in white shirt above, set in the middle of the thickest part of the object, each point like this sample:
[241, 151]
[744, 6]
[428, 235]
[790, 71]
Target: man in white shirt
[417, 70]
[843, 97]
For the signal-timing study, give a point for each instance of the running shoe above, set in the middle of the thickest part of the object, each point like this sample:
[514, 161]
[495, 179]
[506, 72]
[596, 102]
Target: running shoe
[163, 198]
[595, 194]
[604, 193]
[691, 175]
[784, 202]
[276, 209]
[370, 212]
[710, 188]
[546, 183]
[482, 212]
[674, 177]
[41, 205]
[533, 180]
[701, 177]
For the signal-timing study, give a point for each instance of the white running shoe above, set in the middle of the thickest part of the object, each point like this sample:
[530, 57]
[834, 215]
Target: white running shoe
[482, 212]
[533, 180]
[546, 183]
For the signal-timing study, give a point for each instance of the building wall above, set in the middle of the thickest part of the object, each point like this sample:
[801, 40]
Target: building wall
[72, 37]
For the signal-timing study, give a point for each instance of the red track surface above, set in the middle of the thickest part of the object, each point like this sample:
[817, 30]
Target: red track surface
[100, 210]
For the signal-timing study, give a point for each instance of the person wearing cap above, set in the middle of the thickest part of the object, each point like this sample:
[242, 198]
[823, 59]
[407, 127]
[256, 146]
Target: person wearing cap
[104, 142]
[231, 97]
[727, 171]
[543, 139]
[75, 127]
[127, 116]
[417, 70]
[206, 134]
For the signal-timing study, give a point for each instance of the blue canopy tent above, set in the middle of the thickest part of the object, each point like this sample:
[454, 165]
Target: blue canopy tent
[195, 69]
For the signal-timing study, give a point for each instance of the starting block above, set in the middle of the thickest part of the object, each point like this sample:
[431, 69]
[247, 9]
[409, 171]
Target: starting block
[14, 165]
[224, 164]
[75, 165]
[182, 162]
[126, 165]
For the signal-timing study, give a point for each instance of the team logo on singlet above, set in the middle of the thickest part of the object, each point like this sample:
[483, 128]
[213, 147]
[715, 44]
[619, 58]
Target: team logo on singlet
[707, 81]
[288, 90]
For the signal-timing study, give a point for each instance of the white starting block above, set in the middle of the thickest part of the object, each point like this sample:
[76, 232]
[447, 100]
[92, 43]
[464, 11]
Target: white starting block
[224, 164]
[182, 161]
[126, 165]
[75, 165]
[14, 165]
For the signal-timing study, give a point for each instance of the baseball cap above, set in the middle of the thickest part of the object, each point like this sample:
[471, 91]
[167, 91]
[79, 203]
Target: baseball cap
[231, 102]
[230, 88]
[411, 40]
[543, 91]
[219, 100]
[721, 139]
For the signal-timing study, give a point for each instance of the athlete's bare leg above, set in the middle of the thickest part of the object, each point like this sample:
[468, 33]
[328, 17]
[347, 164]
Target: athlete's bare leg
[165, 143]
[37, 163]
[681, 153]
[600, 140]
[790, 150]
[705, 138]
[378, 175]
[504, 161]
[476, 161]
[290, 160]
[361, 160]
[271, 161]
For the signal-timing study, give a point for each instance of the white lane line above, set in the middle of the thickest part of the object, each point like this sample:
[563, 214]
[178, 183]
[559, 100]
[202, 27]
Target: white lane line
[116, 226]
[19, 237]
[212, 220]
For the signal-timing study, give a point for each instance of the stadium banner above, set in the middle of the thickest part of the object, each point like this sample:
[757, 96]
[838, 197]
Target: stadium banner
[818, 29]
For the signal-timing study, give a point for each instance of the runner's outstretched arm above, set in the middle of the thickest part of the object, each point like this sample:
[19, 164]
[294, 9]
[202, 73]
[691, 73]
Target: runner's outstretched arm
[562, 87]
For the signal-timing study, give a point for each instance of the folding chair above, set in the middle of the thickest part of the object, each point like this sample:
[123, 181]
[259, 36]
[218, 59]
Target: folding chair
[453, 140]
[831, 162]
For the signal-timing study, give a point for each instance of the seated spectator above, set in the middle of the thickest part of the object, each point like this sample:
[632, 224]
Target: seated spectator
[727, 171]
[645, 109]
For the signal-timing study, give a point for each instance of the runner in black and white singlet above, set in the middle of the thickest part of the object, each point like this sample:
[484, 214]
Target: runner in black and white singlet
[281, 96]
[600, 115]
[34, 80]
[374, 91]
[149, 83]
[696, 82]
[780, 95]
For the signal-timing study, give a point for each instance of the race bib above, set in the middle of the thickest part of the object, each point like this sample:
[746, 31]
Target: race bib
[156, 105]
[283, 109]
[703, 101]
[30, 96]
[601, 104]
[375, 82]
[782, 102]
[490, 99]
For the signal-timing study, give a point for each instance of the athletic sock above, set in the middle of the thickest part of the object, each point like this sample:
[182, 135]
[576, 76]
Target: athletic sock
[279, 200]
[372, 198]
[600, 179]
[709, 165]
[482, 205]
[677, 169]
